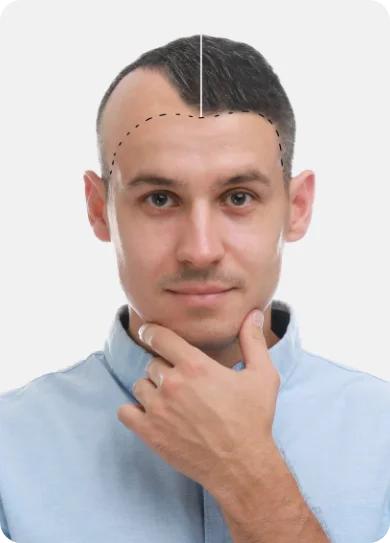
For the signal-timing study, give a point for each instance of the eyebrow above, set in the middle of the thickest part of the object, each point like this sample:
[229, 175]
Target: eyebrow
[158, 180]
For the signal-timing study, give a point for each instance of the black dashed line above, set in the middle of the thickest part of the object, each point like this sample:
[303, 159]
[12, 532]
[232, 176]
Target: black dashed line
[217, 115]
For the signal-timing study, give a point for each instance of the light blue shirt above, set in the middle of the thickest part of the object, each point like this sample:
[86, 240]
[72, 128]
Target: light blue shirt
[71, 472]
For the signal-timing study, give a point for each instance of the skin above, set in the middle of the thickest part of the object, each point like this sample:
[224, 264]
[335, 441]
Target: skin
[201, 233]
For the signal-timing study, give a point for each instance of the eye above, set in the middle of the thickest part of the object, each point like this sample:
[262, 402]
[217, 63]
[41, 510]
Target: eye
[240, 193]
[166, 193]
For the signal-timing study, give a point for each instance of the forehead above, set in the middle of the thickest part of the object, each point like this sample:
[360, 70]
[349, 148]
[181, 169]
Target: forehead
[146, 122]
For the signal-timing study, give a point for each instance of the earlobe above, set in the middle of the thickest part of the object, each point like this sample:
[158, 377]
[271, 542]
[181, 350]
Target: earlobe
[101, 231]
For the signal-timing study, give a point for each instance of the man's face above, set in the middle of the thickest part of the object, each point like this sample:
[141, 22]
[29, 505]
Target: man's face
[166, 236]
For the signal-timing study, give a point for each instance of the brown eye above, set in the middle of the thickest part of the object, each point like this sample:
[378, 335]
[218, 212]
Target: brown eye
[156, 197]
[240, 199]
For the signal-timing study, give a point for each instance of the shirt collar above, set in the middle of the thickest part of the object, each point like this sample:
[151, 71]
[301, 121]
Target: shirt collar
[127, 360]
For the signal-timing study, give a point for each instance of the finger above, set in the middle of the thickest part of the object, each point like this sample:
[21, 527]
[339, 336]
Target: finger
[156, 368]
[143, 389]
[170, 346]
[132, 416]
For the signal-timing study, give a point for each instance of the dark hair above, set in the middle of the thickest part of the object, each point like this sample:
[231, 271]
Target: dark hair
[235, 76]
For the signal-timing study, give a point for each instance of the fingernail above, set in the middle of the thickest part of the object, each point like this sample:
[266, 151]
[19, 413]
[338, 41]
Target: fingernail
[258, 318]
[141, 332]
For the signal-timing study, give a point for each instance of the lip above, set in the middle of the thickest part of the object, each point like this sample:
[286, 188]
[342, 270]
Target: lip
[199, 300]
[211, 288]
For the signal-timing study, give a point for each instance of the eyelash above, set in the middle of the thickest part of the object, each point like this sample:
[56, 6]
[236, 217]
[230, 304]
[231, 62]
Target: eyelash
[144, 198]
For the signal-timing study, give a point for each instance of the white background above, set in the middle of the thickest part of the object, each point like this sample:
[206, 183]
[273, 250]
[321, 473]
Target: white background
[59, 284]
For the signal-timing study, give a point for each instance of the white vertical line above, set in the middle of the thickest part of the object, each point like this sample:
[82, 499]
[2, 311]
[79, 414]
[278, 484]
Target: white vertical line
[201, 74]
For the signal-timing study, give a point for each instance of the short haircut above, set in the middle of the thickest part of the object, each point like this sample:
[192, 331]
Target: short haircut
[235, 77]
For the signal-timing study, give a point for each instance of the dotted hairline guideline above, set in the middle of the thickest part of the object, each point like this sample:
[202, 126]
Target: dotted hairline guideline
[217, 115]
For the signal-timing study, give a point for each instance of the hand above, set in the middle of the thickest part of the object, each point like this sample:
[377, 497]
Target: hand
[205, 420]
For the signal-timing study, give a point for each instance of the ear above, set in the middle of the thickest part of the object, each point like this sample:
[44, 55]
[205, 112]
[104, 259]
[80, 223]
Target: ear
[301, 205]
[96, 205]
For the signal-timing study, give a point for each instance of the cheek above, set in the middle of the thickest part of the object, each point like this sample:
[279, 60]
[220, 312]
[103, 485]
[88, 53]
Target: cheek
[279, 242]
[272, 242]
[259, 258]
[145, 259]
[261, 248]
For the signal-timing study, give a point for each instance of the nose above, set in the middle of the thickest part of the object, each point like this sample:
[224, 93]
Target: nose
[201, 243]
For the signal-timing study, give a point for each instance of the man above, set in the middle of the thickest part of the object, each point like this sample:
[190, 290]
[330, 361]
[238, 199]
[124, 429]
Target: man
[287, 447]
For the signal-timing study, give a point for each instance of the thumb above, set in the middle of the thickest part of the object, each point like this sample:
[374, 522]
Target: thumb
[257, 318]
[252, 341]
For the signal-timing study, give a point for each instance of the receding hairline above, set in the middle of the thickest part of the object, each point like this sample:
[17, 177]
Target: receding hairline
[121, 87]
[236, 76]
[104, 129]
